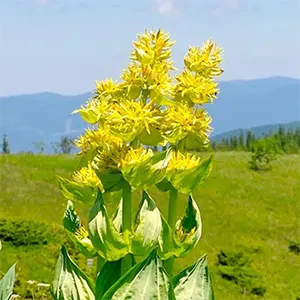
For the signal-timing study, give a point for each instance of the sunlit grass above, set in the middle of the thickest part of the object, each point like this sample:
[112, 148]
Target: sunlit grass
[257, 212]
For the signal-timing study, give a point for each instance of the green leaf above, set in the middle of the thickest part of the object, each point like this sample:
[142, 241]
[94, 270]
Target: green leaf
[70, 283]
[185, 181]
[194, 142]
[77, 232]
[147, 280]
[164, 185]
[109, 274]
[148, 227]
[77, 191]
[151, 139]
[126, 136]
[109, 243]
[86, 157]
[117, 216]
[188, 229]
[149, 172]
[87, 115]
[166, 241]
[111, 181]
[194, 282]
[71, 220]
[7, 284]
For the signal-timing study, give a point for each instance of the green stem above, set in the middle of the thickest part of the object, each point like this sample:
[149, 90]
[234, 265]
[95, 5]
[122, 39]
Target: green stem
[100, 263]
[126, 224]
[173, 196]
[135, 143]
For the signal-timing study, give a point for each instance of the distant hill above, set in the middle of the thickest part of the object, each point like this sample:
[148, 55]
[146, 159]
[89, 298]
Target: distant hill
[44, 116]
[258, 131]
[241, 104]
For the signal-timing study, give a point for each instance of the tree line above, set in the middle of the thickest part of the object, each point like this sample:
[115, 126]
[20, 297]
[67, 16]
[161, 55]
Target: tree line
[282, 141]
[65, 145]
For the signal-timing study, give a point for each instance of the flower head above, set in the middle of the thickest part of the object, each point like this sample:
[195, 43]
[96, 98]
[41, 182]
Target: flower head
[95, 139]
[136, 156]
[181, 121]
[150, 107]
[88, 176]
[180, 161]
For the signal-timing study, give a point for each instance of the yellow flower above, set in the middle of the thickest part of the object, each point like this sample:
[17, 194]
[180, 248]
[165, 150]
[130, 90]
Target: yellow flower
[95, 139]
[81, 233]
[129, 118]
[148, 74]
[110, 157]
[195, 89]
[136, 156]
[108, 88]
[95, 110]
[151, 47]
[204, 61]
[87, 175]
[196, 85]
[181, 120]
[180, 161]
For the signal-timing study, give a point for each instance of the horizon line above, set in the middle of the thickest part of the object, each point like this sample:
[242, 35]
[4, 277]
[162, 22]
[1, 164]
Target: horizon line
[84, 93]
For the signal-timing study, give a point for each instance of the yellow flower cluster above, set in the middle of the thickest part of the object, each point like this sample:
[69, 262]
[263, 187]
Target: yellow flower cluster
[87, 175]
[180, 161]
[150, 107]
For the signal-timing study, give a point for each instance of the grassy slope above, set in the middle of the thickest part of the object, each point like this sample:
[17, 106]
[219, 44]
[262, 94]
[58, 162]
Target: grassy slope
[240, 208]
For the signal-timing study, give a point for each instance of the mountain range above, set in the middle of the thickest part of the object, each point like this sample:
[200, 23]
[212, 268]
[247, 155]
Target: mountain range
[241, 104]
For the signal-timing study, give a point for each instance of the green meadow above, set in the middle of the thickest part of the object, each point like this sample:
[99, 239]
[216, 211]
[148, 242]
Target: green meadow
[255, 213]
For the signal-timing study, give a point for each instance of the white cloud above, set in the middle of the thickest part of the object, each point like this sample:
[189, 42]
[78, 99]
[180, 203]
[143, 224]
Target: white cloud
[165, 6]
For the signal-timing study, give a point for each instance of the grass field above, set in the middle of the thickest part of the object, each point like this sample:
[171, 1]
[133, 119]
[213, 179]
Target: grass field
[242, 210]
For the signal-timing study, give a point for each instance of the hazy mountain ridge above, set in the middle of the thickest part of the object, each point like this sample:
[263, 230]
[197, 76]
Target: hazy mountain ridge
[241, 104]
[258, 131]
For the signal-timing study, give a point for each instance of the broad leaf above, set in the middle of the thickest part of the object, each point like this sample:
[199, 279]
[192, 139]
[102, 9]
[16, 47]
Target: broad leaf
[166, 241]
[184, 237]
[111, 181]
[77, 232]
[148, 226]
[109, 243]
[149, 172]
[88, 115]
[86, 157]
[164, 185]
[188, 229]
[70, 283]
[194, 142]
[125, 134]
[109, 274]
[77, 191]
[194, 282]
[151, 139]
[117, 216]
[71, 220]
[7, 284]
[147, 280]
[185, 181]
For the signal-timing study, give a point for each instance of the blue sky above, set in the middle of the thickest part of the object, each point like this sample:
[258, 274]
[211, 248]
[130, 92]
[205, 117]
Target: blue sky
[63, 46]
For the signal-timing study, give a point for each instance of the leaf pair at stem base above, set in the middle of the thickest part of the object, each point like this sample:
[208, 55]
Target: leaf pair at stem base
[147, 280]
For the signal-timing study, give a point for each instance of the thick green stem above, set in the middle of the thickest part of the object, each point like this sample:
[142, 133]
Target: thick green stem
[100, 263]
[168, 264]
[126, 224]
